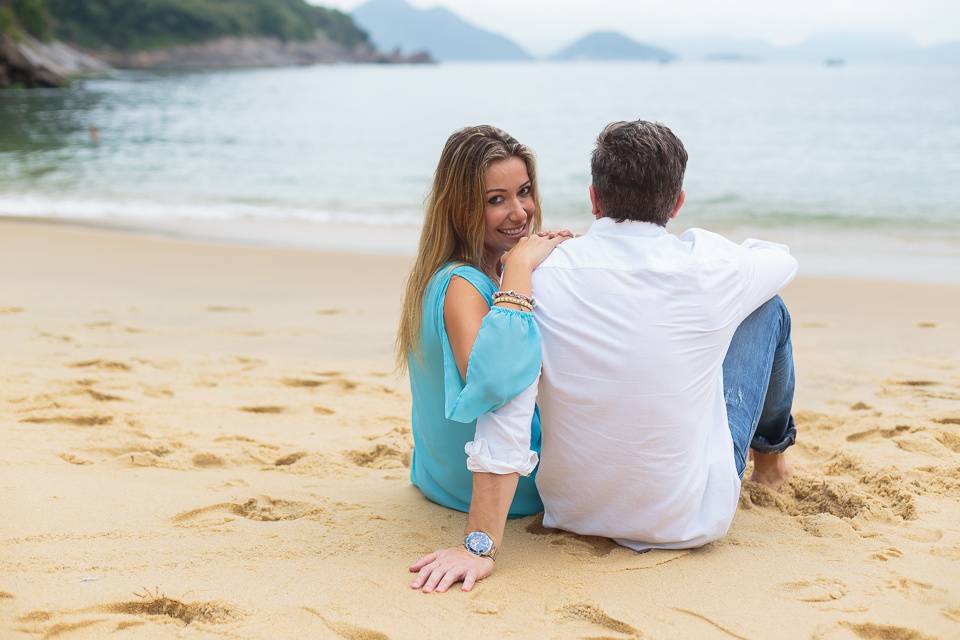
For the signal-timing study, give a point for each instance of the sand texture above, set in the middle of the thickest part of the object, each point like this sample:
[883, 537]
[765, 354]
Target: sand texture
[209, 441]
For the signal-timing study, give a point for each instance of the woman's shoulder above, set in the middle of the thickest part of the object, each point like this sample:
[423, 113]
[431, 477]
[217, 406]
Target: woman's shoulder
[480, 281]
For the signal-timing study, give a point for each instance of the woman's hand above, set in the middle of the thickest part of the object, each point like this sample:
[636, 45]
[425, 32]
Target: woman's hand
[439, 570]
[531, 251]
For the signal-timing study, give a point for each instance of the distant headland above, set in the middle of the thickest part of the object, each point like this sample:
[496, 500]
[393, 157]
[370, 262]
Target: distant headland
[44, 42]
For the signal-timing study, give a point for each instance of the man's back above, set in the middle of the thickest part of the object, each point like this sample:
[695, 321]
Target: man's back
[635, 325]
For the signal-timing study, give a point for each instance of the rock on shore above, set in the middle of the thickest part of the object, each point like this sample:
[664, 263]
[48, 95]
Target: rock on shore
[253, 52]
[30, 63]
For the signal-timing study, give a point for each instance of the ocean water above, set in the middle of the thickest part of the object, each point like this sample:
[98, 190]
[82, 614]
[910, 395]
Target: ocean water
[857, 167]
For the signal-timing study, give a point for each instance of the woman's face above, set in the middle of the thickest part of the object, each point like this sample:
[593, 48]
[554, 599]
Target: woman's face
[508, 204]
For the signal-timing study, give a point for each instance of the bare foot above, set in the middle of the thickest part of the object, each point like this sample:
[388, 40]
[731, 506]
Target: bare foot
[770, 469]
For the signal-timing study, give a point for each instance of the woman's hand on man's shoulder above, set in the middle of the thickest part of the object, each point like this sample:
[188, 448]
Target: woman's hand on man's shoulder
[529, 252]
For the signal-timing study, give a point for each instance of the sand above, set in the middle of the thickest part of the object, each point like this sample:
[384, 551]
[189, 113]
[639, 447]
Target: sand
[209, 441]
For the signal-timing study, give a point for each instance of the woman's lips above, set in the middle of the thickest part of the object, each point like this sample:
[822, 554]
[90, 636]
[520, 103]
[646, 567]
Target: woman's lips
[515, 232]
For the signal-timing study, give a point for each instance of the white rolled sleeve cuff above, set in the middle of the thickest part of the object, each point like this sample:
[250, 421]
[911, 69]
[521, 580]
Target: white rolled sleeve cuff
[501, 444]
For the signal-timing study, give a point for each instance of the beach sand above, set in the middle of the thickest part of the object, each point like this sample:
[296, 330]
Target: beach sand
[209, 441]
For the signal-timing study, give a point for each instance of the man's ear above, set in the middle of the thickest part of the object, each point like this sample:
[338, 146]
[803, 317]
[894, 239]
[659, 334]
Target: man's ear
[679, 205]
[595, 203]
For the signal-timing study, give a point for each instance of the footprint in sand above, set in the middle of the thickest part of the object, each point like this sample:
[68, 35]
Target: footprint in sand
[103, 365]
[54, 336]
[268, 408]
[347, 630]
[593, 546]
[816, 590]
[873, 434]
[260, 509]
[4, 311]
[226, 309]
[328, 312]
[947, 420]
[152, 605]
[592, 614]
[323, 411]
[860, 406]
[889, 553]
[302, 383]
[5, 595]
[872, 631]
[289, 459]
[381, 456]
[916, 383]
[926, 325]
[949, 440]
[92, 420]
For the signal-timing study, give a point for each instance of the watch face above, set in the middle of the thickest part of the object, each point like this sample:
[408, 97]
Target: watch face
[479, 543]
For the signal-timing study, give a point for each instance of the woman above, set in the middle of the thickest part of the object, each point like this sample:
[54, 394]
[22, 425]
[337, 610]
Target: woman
[467, 355]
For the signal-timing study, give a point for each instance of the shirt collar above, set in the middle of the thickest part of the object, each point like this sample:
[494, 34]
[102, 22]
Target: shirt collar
[609, 226]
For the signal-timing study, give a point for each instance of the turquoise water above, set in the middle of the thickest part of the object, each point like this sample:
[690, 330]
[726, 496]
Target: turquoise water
[774, 149]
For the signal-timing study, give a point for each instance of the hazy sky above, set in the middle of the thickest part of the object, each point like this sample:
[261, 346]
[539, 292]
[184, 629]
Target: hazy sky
[545, 25]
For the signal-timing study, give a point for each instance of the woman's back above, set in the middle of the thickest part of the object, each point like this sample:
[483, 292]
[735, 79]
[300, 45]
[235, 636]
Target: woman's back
[505, 359]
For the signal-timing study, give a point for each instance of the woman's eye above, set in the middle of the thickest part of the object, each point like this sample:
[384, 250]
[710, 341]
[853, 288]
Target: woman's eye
[525, 191]
[495, 200]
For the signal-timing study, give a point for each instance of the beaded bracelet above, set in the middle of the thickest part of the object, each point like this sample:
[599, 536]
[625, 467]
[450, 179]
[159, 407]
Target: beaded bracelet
[514, 294]
[520, 302]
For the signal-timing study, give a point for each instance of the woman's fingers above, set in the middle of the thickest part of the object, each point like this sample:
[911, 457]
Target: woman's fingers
[425, 560]
[435, 578]
[453, 575]
[422, 576]
[468, 581]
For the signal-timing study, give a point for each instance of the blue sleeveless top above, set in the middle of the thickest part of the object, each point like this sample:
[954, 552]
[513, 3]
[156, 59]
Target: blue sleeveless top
[504, 361]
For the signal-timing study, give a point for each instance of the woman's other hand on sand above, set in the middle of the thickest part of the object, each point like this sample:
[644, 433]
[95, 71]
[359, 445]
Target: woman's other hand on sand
[529, 252]
[440, 570]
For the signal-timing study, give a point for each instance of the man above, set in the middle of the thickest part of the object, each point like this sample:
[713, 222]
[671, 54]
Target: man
[665, 358]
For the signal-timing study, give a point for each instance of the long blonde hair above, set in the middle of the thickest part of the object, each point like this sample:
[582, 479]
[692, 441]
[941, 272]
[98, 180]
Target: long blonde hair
[453, 225]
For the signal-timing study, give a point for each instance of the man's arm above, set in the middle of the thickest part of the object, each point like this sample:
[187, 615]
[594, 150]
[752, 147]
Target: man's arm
[768, 267]
[498, 456]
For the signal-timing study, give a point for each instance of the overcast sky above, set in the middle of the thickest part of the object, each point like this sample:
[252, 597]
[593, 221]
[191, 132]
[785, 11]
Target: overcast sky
[545, 25]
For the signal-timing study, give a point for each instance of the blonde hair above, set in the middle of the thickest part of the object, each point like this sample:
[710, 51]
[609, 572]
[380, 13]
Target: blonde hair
[453, 224]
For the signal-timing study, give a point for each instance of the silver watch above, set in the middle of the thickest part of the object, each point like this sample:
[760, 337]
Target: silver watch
[479, 543]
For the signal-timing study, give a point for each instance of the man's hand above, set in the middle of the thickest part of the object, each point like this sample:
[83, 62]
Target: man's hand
[439, 570]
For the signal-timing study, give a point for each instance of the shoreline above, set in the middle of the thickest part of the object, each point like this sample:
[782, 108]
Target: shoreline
[834, 254]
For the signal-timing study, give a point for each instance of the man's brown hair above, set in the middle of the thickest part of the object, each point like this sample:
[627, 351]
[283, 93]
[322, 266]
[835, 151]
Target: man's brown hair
[638, 171]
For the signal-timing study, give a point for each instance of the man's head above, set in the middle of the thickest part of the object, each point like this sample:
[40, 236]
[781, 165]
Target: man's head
[637, 172]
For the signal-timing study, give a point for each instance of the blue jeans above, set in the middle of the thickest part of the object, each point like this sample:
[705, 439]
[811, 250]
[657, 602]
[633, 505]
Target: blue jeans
[758, 383]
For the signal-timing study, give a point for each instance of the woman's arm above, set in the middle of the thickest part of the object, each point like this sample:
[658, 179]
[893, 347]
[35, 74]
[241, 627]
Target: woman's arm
[464, 311]
[464, 308]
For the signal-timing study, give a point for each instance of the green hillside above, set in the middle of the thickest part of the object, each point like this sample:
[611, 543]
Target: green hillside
[149, 24]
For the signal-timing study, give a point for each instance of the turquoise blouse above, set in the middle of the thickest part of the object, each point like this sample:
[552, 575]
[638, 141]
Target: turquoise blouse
[504, 361]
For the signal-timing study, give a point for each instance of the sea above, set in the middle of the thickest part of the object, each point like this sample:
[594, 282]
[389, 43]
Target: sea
[856, 167]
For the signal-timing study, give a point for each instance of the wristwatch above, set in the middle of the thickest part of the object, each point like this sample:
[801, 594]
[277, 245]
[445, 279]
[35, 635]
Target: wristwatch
[479, 543]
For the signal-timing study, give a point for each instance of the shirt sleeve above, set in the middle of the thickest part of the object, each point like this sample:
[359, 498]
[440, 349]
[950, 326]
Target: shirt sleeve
[501, 444]
[504, 360]
[767, 268]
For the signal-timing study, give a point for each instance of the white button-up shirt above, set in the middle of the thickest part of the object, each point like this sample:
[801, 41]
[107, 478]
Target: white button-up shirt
[635, 324]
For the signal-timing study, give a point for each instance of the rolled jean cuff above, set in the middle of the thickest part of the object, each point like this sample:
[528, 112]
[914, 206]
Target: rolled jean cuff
[761, 444]
[480, 460]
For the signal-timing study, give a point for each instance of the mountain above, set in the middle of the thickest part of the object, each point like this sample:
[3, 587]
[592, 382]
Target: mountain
[610, 45]
[716, 48]
[395, 24]
[852, 47]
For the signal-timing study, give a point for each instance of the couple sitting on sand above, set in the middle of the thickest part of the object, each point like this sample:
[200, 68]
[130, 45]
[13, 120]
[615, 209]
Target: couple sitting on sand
[627, 394]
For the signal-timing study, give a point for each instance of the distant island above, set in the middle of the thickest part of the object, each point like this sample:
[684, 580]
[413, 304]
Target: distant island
[42, 41]
[611, 45]
[395, 24]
